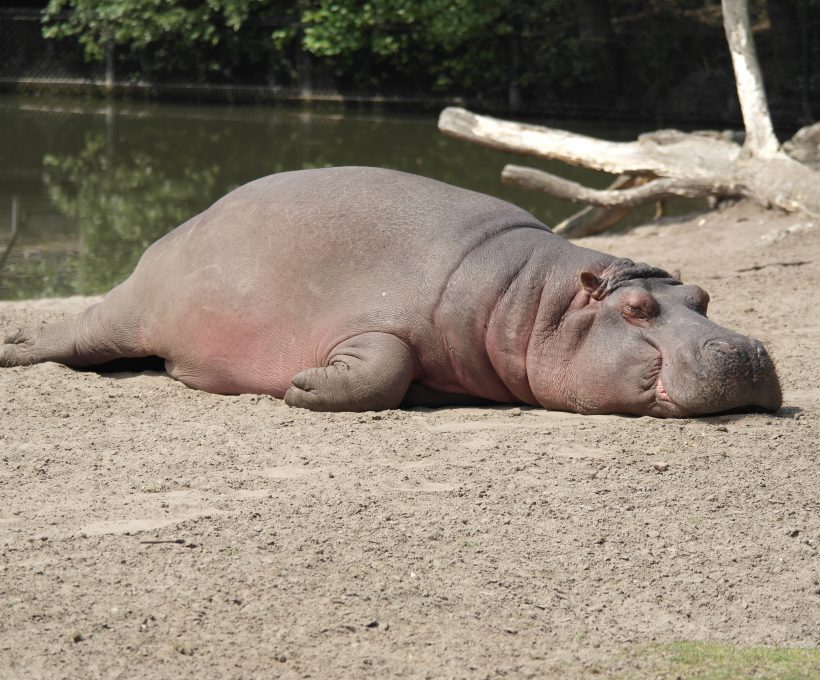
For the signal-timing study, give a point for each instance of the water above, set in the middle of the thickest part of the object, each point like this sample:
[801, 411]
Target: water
[93, 184]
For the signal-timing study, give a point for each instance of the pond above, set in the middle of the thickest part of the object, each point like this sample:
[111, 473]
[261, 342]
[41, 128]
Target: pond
[87, 185]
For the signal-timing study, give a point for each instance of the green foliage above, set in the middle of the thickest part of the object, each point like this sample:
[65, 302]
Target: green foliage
[635, 54]
[444, 45]
[140, 23]
[441, 42]
[160, 36]
[457, 46]
[389, 27]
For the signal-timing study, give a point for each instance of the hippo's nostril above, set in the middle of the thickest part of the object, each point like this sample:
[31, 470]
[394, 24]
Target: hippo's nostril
[716, 345]
[730, 356]
[761, 363]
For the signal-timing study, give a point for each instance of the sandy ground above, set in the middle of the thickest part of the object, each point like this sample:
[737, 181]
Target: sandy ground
[147, 530]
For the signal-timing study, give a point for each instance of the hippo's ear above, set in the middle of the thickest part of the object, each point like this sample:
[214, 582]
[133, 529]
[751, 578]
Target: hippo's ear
[677, 275]
[591, 282]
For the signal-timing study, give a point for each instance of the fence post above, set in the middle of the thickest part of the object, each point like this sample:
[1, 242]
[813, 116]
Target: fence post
[805, 58]
[304, 67]
[109, 66]
[15, 230]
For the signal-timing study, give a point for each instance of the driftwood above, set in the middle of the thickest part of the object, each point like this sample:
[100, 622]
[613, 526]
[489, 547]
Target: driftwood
[651, 190]
[805, 146]
[666, 163]
[595, 219]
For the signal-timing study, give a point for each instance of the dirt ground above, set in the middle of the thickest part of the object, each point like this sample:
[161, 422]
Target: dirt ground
[151, 531]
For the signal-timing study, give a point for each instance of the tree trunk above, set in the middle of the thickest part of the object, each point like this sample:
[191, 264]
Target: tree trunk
[760, 138]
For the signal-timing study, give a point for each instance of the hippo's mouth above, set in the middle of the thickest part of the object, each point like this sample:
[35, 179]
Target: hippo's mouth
[660, 403]
[664, 405]
[662, 394]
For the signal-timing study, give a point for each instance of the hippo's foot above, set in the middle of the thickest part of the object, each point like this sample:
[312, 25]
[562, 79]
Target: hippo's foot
[19, 349]
[53, 342]
[368, 372]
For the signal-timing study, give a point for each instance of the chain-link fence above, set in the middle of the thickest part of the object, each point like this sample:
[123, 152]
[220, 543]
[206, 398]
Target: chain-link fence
[664, 72]
[27, 57]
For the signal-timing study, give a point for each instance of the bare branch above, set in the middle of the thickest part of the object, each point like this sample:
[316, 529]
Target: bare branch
[594, 220]
[534, 140]
[666, 153]
[590, 221]
[655, 190]
[681, 164]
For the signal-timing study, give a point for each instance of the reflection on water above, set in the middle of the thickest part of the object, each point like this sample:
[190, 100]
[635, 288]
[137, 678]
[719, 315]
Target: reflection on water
[94, 184]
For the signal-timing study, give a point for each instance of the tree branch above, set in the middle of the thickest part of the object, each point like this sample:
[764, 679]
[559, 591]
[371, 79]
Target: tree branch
[534, 140]
[594, 220]
[666, 153]
[656, 190]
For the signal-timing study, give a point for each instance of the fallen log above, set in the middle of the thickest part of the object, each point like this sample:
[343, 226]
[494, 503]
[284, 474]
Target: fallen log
[652, 190]
[695, 164]
[666, 163]
[594, 219]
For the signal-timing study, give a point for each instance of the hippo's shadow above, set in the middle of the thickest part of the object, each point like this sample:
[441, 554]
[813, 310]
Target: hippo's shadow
[785, 413]
[125, 365]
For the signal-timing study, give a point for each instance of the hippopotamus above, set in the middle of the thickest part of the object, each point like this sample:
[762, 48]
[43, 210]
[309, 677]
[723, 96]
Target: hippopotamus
[354, 289]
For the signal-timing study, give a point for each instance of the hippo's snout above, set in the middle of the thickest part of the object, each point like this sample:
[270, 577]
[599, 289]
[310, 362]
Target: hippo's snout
[745, 356]
[735, 372]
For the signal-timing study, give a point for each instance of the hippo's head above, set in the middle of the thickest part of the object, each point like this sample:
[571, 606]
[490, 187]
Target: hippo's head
[637, 340]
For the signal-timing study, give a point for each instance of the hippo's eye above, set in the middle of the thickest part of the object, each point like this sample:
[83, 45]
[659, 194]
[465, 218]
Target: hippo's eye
[639, 306]
[633, 312]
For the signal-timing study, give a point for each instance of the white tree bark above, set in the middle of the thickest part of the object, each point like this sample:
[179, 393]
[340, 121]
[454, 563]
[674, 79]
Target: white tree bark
[665, 153]
[760, 137]
[654, 190]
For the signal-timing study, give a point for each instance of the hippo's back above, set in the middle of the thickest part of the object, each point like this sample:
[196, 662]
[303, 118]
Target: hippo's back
[351, 207]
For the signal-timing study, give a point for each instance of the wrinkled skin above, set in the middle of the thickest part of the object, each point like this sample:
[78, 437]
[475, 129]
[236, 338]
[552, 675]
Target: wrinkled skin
[656, 353]
[361, 288]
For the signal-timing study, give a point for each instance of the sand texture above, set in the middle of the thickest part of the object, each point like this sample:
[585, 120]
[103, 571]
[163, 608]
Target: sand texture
[151, 531]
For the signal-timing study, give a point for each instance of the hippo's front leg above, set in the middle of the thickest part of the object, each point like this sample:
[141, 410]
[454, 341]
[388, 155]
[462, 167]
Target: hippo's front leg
[368, 372]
